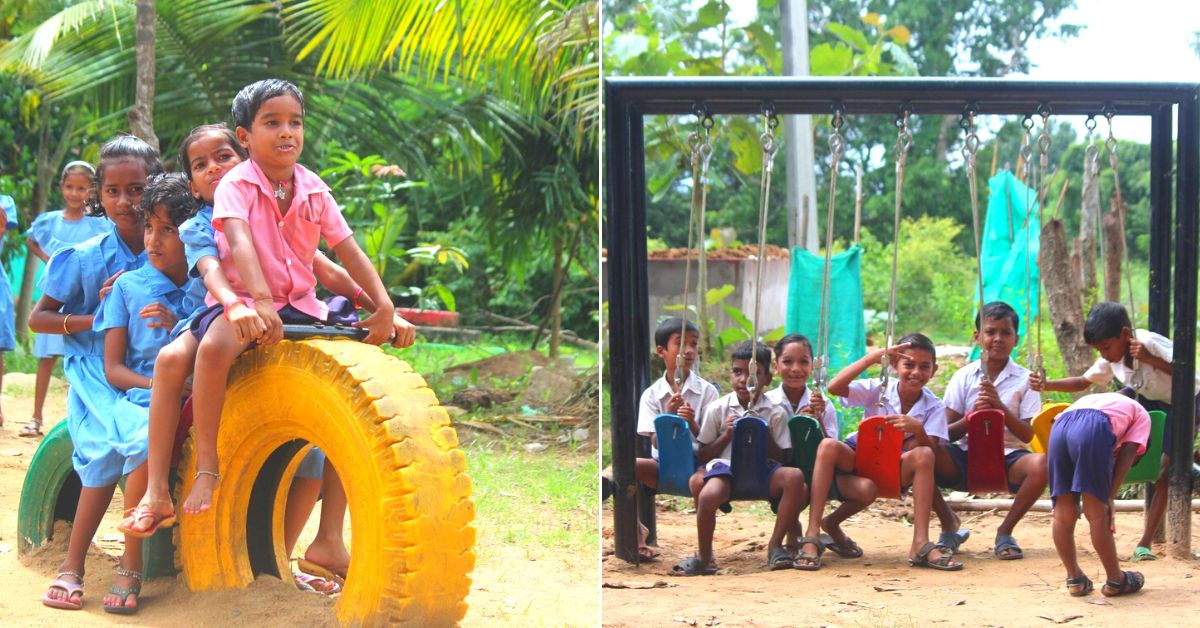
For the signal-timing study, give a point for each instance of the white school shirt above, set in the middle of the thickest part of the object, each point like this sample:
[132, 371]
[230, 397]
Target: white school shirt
[714, 423]
[929, 410]
[829, 422]
[697, 392]
[1012, 385]
[1156, 384]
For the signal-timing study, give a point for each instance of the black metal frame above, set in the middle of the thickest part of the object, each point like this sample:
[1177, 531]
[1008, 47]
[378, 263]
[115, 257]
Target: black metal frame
[628, 100]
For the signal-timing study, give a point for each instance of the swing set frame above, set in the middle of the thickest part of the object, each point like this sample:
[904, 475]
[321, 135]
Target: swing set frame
[1174, 211]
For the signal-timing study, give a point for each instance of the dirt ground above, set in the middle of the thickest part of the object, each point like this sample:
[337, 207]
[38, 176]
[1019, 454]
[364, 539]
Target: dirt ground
[511, 585]
[881, 589]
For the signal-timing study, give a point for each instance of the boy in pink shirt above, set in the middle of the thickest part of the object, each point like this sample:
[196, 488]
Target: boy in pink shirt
[1093, 444]
[269, 214]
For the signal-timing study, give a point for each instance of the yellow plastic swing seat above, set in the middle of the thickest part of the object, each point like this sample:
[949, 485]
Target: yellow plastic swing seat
[1041, 426]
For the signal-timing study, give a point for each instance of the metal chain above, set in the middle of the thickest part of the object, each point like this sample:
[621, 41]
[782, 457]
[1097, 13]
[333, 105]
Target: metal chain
[1135, 377]
[700, 142]
[969, 149]
[837, 146]
[900, 152]
[770, 146]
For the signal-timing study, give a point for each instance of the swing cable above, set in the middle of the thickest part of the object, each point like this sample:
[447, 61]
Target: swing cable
[770, 146]
[1091, 167]
[837, 146]
[701, 145]
[1135, 376]
[969, 149]
[900, 152]
[1044, 143]
[1030, 203]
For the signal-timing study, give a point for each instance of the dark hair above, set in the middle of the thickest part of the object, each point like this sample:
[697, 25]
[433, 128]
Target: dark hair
[219, 128]
[77, 167]
[252, 96]
[792, 338]
[116, 149]
[171, 190]
[762, 355]
[999, 310]
[1104, 321]
[669, 327]
[919, 341]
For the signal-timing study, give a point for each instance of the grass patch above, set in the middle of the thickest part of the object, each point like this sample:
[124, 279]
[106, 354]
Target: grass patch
[548, 499]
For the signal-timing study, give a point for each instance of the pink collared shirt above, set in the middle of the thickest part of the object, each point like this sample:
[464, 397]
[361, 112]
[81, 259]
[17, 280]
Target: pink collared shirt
[285, 243]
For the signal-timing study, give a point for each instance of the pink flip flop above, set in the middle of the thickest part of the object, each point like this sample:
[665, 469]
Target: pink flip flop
[71, 588]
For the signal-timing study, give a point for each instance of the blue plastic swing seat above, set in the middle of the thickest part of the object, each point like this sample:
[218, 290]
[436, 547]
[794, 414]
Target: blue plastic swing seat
[749, 459]
[676, 459]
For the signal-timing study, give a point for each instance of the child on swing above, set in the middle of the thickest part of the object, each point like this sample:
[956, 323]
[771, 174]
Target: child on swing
[1093, 444]
[909, 407]
[689, 402]
[713, 483]
[269, 214]
[793, 361]
[50, 233]
[1006, 388]
[1131, 356]
[77, 279]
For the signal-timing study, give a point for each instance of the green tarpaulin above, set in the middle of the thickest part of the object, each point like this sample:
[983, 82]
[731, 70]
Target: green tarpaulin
[847, 330]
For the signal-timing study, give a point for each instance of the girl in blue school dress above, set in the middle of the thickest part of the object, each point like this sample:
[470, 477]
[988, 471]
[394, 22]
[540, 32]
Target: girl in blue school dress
[8, 220]
[77, 280]
[50, 233]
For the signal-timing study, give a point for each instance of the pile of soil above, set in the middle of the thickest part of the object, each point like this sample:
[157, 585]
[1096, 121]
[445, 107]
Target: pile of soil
[744, 251]
[503, 366]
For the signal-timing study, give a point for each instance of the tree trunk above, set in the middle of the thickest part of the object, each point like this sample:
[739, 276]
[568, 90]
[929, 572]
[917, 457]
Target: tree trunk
[1114, 252]
[1089, 219]
[944, 132]
[1063, 297]
[556, 302]
[141, 117]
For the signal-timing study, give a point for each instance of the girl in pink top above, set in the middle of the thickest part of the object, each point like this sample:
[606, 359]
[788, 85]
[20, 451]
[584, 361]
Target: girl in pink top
[269, 214]
[1093, 444]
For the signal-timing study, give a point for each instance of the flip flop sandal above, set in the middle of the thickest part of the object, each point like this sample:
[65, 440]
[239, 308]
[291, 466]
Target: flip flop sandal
[32, 429]
[134, 515]
[849, 550]
[954, 539]
[315, 584]
[813, 560]
[1006, 543]
[1143, 553]
[645, 554]
[945, 562]
[1082, 583]
[693, 567]
[125, 592]
[70, 588]
[1131, 582]
[779, 558]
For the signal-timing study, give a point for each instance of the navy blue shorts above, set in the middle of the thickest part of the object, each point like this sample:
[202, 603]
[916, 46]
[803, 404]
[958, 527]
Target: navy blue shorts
[1151, 404]
[1080, 459]
[341, 310]
[722, 470]
[959, 456]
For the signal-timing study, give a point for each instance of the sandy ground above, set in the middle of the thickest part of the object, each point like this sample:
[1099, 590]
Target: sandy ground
[512, 585]
[881, 588]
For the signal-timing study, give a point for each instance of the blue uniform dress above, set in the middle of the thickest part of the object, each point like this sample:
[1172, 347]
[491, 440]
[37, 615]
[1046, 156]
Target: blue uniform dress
[53, 232]
[73, 277]
[128, 432]
[197, 236]
[8, 339]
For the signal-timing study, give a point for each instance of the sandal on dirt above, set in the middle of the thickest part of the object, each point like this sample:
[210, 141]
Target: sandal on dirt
[125, 592]
[812, 562]
[315, 584]
[1082, 584]
[779, 558]
[1006, 543]
[309, 567]
[70, 588]
[646, 554]
[32, 429]
[141, 512]
[693, 567]
[954, 539]
[1143, 553]
[849, 550]
[1131, 582]
[945, 562]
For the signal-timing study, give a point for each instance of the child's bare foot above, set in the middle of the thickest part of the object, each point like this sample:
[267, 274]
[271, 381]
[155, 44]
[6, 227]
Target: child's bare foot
[66, 592]
[329, 554]
[201, 496]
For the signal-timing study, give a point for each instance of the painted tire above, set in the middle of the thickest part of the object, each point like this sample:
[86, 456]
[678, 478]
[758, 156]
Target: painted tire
[396, 452]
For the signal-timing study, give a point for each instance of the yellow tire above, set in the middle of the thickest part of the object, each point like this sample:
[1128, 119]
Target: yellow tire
[396, 453]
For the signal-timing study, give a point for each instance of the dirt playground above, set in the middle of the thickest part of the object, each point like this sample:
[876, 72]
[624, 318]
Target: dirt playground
[881, 589]
[511, 585]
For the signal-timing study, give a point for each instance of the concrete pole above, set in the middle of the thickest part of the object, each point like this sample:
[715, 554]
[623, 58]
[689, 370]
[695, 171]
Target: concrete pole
[798, 131]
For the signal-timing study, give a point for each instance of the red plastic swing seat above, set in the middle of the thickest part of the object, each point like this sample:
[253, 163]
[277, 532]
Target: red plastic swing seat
[877, 455]
[985, 455]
